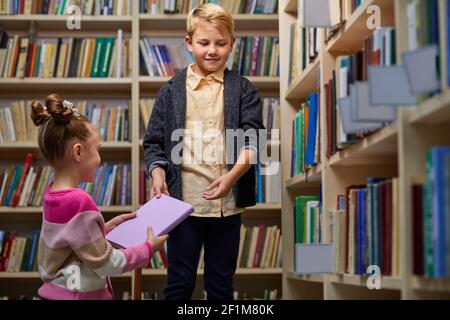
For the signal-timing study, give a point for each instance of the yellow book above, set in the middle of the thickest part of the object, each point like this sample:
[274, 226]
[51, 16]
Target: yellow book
[62, 60]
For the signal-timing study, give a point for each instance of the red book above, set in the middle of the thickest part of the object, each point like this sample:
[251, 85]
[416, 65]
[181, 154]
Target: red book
[258, 246]
[142, 190]
[376, 58]
[417, 211]
[164, 257]
[26, 166]
[7, 250]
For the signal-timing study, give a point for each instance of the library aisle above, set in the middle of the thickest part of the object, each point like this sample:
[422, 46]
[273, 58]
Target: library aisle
[359, 91]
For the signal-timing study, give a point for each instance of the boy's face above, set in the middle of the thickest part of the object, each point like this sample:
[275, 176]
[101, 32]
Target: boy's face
[210, 47]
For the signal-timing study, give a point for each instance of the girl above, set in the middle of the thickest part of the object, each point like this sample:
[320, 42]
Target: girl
[74, 258]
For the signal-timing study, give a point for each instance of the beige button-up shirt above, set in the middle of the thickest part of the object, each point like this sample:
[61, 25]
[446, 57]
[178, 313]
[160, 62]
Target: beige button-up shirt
[204, 152]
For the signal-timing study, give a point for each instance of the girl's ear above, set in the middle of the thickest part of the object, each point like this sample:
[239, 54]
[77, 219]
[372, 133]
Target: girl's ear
[76, 152]
[188, 42]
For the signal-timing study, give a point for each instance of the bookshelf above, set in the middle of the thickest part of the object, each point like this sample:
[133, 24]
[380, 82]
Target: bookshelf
[397, 150]
[133, 88]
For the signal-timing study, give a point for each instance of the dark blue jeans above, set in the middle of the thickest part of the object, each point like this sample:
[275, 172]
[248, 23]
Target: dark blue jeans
[220, 238]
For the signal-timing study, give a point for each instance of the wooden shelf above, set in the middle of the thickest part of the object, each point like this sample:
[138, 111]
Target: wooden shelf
[319, 278]
[239, 272]
[426, 284]
[434, 111]
[36, 276]
[264, 207]
[73, 84]
[391, 283]
[32, 210]
[306, 83]
[45, 22]
[177, 22]
[351, 36]
[262, 83]
[379, 147]
[311, 178]
[291, 7]
[29, 145]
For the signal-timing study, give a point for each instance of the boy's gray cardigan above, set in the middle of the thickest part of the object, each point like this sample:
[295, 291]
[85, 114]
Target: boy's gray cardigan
[242, 111]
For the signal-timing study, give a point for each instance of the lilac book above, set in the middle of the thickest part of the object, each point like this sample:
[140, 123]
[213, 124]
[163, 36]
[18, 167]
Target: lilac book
[161, 214]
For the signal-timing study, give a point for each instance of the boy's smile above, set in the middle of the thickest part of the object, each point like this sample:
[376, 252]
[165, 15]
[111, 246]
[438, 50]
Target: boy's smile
[210, 48]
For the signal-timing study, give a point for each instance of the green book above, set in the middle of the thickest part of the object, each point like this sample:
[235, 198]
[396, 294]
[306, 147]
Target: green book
[26, 255]
[97, 56]
[428, 219]
[108, 50]
[300, 217]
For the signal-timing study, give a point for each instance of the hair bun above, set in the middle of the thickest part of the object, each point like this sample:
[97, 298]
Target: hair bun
[39, 114]
[59, 110]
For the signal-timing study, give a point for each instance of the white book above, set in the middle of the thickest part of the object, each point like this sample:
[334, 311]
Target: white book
[10, 124]
[241, 244]
[25, 186]
[411, 25]
[146, 56]
[20, 253]
[309, 206]
[3, 187]
[119, 43]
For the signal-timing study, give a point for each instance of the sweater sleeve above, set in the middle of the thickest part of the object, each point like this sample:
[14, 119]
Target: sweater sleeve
[86, 237]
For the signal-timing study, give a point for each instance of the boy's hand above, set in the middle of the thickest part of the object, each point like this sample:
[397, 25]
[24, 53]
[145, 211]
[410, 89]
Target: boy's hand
[156, 242]
[159, 184]
[114, 222]
[222, 184]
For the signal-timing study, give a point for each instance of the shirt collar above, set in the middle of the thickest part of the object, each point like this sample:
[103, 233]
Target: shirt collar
[193, 79]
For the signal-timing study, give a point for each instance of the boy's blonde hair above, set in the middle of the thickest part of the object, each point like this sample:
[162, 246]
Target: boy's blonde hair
[211, 13]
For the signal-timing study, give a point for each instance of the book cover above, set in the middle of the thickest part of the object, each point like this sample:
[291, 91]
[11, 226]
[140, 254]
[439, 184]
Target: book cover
[161, 214]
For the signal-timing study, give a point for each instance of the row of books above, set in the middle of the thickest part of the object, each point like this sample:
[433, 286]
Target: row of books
[268, 180]
[17, 253]
[185, 6]
[423, 27]
[306, 136]
[304, 48]
[253, 56]
[63, 7]
[111, 120]
[378, 50]
[24, 185]
[364, 229]
[112, 185]
[163, 59]
[260, 247]
[21, 57]
[431, 216]
[256, 56]
[16, 123]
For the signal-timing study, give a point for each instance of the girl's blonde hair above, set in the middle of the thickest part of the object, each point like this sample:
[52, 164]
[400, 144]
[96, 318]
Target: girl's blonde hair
[211, 13]
[58, 123]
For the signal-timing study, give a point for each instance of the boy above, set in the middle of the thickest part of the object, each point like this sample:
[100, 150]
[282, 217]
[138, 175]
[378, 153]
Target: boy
[205, 95]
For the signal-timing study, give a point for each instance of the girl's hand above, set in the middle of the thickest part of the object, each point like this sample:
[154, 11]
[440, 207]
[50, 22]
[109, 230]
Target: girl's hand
[222, 184]
[159, 184]
[114, 222]
[156, 242]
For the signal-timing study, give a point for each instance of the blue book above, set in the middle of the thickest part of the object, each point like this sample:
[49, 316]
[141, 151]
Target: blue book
[34, 246]
[312, 129]
[437, 176]
[360, 231]
[2, 237]
[259, 192]
[371, 220]
[448, 42]
[104, 184]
